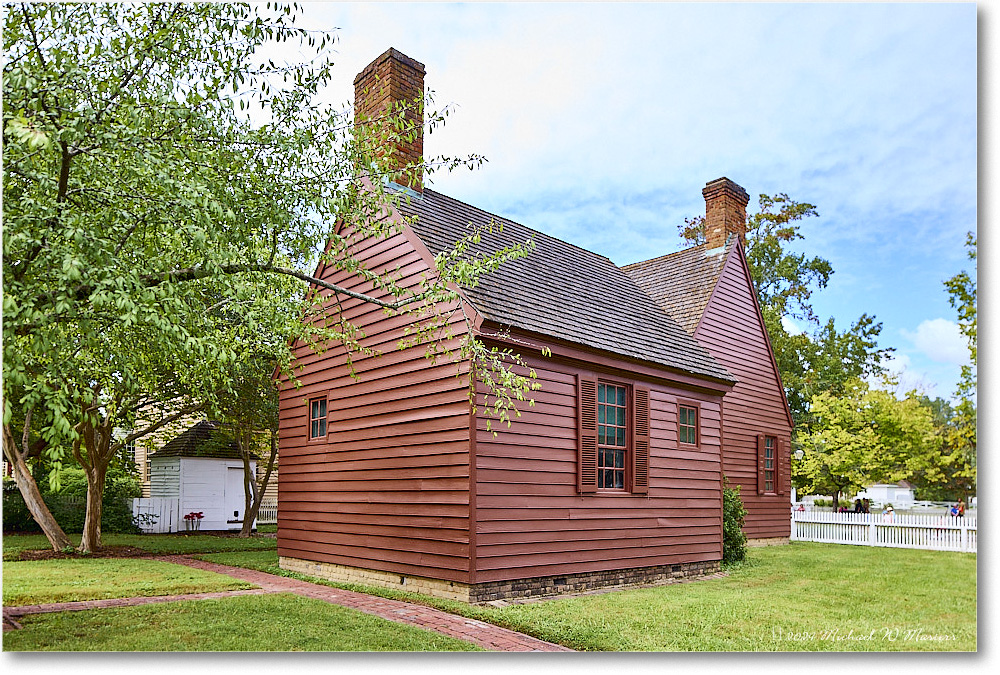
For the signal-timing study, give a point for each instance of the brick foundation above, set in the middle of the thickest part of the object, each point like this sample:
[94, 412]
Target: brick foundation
[514, 589]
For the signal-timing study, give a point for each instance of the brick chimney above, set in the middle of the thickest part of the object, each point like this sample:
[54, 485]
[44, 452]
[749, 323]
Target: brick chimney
[392, 80]
[725, 212]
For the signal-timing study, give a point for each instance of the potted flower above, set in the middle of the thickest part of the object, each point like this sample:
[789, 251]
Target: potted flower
[192, 521]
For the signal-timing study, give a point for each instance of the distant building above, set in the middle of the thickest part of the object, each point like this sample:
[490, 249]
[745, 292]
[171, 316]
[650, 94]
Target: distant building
[897, 494]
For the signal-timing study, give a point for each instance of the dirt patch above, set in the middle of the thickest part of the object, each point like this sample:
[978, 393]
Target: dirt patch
[106, 552]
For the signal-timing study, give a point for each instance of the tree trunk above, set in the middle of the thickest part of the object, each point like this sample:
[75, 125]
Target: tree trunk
[97, 441]
[91, 540]
[32, 495]
[251, 513]
[836, 500]
[249, 496]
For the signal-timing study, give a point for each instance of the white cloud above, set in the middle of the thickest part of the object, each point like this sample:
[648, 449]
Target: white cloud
[940, 340]
[900, 368]
[791, 326]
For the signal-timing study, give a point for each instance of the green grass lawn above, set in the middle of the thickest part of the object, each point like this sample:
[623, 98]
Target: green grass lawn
[13, 545]
[280, 622]
[45, 581]
[801, 597]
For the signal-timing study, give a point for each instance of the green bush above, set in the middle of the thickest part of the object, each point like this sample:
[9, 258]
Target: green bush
[734, 542]
[69, 504]
[16, 517]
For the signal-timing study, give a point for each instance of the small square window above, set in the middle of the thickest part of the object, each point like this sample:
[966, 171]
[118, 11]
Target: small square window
[317, 418]
[688, 427]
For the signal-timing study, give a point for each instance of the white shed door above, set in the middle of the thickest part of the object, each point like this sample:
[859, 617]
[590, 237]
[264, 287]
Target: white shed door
[235, 499]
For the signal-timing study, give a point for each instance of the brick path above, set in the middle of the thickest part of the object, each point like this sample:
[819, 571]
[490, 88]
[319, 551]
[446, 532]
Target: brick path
[479, 633]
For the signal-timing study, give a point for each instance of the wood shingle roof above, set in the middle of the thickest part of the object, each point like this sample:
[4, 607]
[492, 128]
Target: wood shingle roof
[561, 290]
[204, 439]
[681, 282]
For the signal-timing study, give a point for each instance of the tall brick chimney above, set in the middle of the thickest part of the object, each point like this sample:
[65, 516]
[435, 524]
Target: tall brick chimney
[391, 80]
[725, 212]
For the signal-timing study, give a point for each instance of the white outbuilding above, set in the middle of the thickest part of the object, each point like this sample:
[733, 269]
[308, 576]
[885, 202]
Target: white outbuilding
[201, 469]
[898, 494]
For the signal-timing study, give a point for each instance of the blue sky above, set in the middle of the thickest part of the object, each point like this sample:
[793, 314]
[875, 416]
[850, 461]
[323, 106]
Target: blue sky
[602, 122]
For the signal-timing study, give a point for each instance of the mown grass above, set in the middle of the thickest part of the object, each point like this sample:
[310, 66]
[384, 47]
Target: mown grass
[15, 544]
[280, 622]
[800, 597]
[67, 580]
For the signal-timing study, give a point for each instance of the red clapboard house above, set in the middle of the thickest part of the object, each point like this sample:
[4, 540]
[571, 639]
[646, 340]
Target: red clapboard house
[613, 477]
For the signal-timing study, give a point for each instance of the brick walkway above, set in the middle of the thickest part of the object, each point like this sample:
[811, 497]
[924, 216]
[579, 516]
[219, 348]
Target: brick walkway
[479, 633]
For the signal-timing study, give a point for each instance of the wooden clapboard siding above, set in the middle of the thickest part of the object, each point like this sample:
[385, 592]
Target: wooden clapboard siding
[165, 477]
[532, 521]
[388, 488]
[732, 329]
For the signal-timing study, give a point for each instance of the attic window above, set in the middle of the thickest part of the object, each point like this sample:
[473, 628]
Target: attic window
[317, 418]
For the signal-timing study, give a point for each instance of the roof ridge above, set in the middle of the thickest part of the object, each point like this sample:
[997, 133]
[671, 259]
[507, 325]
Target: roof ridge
[520, 224]
[667, 255]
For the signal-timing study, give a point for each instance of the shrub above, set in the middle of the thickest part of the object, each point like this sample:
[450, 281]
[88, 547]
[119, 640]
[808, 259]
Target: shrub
[16, 517]
[734, 542]
[69, 504]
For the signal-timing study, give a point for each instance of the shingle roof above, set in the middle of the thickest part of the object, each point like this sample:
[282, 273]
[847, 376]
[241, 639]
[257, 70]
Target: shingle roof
[681, 282]
[561, 290]
[204, 439]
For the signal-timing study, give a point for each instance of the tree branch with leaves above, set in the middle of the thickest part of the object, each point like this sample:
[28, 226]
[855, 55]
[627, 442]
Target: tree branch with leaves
[168, 194]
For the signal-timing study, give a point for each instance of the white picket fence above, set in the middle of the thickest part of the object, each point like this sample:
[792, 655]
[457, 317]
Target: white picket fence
[268, 512]
[158, 514]
[934, 532]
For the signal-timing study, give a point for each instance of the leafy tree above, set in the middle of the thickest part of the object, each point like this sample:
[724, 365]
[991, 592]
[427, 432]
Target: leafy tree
[950, 473]
[250, 414]
[961, 438]
[156, 232]
[962, 296]
[826, 361]
[821, 358]
[863, 436]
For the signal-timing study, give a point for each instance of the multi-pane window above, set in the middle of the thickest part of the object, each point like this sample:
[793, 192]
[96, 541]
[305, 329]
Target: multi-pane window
[611, 435]
[317, 418]
[769, 456]
[688, 424]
